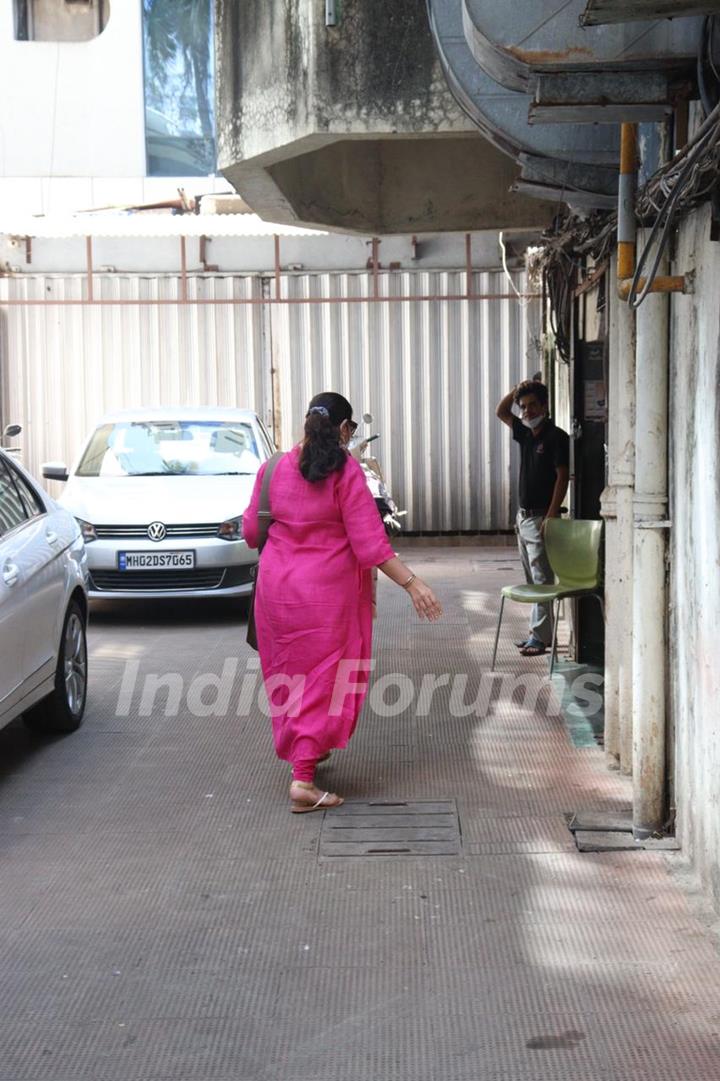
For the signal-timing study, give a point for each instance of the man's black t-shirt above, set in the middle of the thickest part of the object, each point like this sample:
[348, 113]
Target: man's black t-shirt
[539, 460]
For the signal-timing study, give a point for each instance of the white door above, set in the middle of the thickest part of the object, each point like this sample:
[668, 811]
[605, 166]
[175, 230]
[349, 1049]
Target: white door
[41, 564]
[14, 523]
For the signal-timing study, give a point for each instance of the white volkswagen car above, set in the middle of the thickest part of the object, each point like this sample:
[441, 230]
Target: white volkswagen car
[43, 606]
[159, 496]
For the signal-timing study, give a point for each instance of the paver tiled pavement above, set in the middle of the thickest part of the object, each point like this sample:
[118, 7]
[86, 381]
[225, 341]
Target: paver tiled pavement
[162, 916]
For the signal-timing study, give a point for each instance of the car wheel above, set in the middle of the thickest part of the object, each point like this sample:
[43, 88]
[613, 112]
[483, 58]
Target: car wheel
[63, 709]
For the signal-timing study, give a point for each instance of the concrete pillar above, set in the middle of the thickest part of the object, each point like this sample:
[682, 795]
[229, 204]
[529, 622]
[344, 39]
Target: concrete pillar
[617, 512]
[649, 599]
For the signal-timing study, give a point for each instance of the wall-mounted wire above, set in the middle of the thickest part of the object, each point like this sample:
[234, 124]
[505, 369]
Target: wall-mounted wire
[522, 299]
[691, 175]
[709, 92]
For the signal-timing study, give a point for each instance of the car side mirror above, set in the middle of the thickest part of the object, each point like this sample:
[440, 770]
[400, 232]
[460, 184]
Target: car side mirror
[12, 430]
[54, 471]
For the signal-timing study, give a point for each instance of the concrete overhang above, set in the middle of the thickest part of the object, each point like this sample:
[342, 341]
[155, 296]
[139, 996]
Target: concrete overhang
[352, 127]
[389, 185]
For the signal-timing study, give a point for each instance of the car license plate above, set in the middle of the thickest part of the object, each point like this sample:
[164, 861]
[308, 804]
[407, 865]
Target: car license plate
[155, 561]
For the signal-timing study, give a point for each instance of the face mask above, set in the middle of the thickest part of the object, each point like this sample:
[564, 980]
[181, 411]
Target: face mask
[534, 422]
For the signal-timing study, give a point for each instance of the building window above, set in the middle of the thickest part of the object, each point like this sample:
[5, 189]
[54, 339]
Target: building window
[179, 87]
[60, 20]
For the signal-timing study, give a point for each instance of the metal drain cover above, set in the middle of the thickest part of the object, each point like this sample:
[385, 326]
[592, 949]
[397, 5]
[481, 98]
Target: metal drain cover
[392, 828]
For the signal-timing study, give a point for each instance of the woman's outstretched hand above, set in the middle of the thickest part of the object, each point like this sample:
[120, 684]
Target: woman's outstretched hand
[426, 603]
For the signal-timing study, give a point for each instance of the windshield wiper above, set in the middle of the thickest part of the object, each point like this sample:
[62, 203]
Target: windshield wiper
[171, 473]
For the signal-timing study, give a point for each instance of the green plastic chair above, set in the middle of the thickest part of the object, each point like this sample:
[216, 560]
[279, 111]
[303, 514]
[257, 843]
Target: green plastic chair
[573, 551]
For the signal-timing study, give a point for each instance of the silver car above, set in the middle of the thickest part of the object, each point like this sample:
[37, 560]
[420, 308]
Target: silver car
[159, 496]
[43, 606]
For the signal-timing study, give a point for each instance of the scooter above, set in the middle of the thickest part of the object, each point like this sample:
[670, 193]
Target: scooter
[370, 466]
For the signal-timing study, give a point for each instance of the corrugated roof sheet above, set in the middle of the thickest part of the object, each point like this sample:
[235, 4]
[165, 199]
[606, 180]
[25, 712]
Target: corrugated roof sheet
[147, 224]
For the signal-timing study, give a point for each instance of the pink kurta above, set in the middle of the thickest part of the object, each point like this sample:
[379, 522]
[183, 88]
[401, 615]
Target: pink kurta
[313, 605]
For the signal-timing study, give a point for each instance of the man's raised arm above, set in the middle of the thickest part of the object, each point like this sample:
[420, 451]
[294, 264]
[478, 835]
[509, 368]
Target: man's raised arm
[504, 411]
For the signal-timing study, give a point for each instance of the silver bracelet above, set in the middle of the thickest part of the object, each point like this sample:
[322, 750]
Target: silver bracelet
[411, 579]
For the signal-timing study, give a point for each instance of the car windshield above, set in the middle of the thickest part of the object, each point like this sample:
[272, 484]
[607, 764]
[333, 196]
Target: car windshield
[183, 448]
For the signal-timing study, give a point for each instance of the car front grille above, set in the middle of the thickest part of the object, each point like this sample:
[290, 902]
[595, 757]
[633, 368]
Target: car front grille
[140, 532]
[163, 581]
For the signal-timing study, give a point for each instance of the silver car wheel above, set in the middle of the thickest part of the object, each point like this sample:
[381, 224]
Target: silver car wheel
[75, 664]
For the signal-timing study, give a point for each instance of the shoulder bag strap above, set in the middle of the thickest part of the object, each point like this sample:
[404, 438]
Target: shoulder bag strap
[264, 513]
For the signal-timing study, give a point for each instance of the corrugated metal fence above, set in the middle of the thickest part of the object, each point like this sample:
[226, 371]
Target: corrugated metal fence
[431, 372]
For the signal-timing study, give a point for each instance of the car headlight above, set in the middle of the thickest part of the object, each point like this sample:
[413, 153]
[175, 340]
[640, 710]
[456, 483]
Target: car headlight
[87, 529]
[231, 530]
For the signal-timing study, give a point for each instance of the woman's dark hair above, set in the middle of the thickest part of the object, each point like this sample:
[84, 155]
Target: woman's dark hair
[321, 452]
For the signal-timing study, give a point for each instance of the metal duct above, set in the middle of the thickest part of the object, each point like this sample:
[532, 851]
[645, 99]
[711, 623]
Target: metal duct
[502, 116]
[516, 42]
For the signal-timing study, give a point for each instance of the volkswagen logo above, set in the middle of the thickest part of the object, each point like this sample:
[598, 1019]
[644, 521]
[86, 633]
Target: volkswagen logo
[156, 531]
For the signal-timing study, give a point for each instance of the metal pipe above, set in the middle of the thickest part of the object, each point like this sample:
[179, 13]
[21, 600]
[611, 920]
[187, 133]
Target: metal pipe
[276, 240]
[618, 496]
[89, 262]
[649, 573]
[183, 272]
[202, 257]
[468, 264]
[623, 478]
[375, 267]
[624, 504]
[626, 203]
[667, 283]
[627, 228]
[616, 502]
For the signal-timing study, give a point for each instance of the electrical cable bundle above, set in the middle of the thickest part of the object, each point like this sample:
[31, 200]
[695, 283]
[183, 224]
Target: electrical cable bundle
[691, 177]
[558, 286]
[687, 180]
[571, 236]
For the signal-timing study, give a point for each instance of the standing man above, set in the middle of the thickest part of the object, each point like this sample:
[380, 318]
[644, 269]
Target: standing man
[544, 472]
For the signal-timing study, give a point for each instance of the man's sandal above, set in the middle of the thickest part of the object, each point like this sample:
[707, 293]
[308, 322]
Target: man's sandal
[533, 650]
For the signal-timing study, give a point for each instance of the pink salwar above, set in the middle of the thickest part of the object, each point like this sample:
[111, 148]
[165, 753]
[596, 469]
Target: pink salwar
[313, 605]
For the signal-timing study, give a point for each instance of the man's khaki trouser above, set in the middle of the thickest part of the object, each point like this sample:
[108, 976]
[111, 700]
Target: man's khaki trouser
[537, 571]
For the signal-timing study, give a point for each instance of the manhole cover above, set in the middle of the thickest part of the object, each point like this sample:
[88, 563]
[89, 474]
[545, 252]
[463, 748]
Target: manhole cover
[392, 828]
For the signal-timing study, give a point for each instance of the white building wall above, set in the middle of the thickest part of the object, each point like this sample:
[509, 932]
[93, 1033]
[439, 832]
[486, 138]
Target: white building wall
[75, 109]
[695, 550]
[72, 121]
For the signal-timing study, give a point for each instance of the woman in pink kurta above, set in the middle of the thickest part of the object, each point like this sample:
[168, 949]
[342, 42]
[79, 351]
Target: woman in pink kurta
[313, 603]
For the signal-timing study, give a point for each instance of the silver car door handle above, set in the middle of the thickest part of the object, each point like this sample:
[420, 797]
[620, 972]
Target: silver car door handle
[10, 574]
[51, 537]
